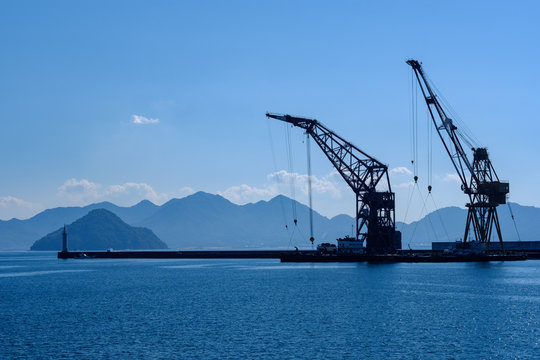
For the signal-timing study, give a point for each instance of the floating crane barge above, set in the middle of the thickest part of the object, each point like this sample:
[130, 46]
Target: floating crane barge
[375, 208]
[414, 256]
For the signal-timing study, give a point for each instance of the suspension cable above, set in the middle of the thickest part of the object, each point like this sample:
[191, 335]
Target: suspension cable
[308, 150]
[291, 237]
[424, 201]
[514, 220]
[411, 193]
[291, 173]
[429, 151]
[439, 215]
[411, 116]
[465, 134]
[275, 170]
[414, 126]
[416, 130]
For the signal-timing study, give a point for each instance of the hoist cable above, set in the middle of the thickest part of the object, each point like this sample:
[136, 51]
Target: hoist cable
[514, 220]
[291, 173]
[414, 125]
[439, 215]
[308, 150]
[275, 170]
[410, 87]
[429, 150]
[416, 128]
[292, 235]
[421, 213]
[411, 193]
[466, 132]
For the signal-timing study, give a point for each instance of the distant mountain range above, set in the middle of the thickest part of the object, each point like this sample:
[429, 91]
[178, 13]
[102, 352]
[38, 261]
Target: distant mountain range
[448, 224]
[205, 221]
[100, 229]
[18, 234]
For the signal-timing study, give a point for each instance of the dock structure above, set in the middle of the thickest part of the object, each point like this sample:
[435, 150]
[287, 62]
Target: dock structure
[406, 256]
[401, 258]
[211, 254]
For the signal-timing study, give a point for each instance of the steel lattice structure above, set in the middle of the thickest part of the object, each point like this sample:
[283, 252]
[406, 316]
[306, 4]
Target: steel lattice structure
[479, 179]
[375, 210]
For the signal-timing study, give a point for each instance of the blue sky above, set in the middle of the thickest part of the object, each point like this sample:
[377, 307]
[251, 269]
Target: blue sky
[75, 76]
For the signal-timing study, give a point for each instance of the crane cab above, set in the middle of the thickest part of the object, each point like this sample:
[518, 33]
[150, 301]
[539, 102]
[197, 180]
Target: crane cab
[350, 246]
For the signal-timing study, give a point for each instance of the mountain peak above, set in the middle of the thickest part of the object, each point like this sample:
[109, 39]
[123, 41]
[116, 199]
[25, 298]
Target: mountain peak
[280, 197]
[202, 194]
[101, 213]
[103, 204]
[144, 203]
[200, 197]
[101, 229]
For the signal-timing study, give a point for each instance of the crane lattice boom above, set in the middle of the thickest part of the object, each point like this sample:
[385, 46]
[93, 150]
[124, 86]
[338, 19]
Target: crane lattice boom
[375, 210]
[479, 179]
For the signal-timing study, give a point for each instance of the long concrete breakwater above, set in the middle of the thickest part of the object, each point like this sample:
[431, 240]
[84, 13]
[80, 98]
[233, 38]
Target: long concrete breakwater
[298, 256]
[209, 254]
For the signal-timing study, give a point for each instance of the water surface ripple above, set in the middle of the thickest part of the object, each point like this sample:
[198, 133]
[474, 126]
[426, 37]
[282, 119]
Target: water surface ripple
[261, 309]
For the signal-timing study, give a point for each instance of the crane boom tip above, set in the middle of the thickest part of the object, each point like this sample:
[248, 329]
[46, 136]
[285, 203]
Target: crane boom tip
[272, 116]
[414, 63]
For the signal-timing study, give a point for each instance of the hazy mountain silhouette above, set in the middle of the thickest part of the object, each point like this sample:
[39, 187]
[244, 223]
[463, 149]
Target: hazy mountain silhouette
[448, 224]
[18, 234]
[100, 229]
[205, 220]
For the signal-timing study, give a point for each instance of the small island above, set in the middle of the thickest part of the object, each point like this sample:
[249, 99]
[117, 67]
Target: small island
[100, 229]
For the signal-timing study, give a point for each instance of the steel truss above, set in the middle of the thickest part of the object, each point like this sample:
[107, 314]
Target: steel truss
[375, 210]
[483, 186]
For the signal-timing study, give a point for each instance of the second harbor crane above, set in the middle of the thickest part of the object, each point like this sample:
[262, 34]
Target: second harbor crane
[375, 210]
[478, 178]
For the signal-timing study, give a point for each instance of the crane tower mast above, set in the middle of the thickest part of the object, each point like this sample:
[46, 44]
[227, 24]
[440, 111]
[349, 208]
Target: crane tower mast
[478, 178]
[375, 210]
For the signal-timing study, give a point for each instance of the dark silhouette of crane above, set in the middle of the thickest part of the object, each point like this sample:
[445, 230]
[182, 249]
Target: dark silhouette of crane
[479, 179]
[375, 210]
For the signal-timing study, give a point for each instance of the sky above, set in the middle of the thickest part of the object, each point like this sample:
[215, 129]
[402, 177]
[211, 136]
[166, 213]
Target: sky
[128, 100]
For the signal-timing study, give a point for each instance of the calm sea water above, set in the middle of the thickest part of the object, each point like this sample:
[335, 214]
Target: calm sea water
[262, 309]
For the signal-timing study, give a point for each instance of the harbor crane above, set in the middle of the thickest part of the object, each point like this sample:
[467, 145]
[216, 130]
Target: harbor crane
[478, 179]
[375, 210]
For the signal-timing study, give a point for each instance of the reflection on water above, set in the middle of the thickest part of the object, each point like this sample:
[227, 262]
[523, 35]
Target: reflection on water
[33, 273]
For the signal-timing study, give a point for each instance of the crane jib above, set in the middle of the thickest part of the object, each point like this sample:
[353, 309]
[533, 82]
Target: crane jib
[375, 210]
[482, 185]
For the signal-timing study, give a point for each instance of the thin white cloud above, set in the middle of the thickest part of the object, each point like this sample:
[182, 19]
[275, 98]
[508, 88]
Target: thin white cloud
[279, 183]
[402, 170]
[11, 201]
[141, 120]
[132, 190]
[78, 191]
[185, 191]
[404, 185]
[452, 178]
[243, 194]
[82, 192]
[326, 184]
[11, 207]
[74, 186]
